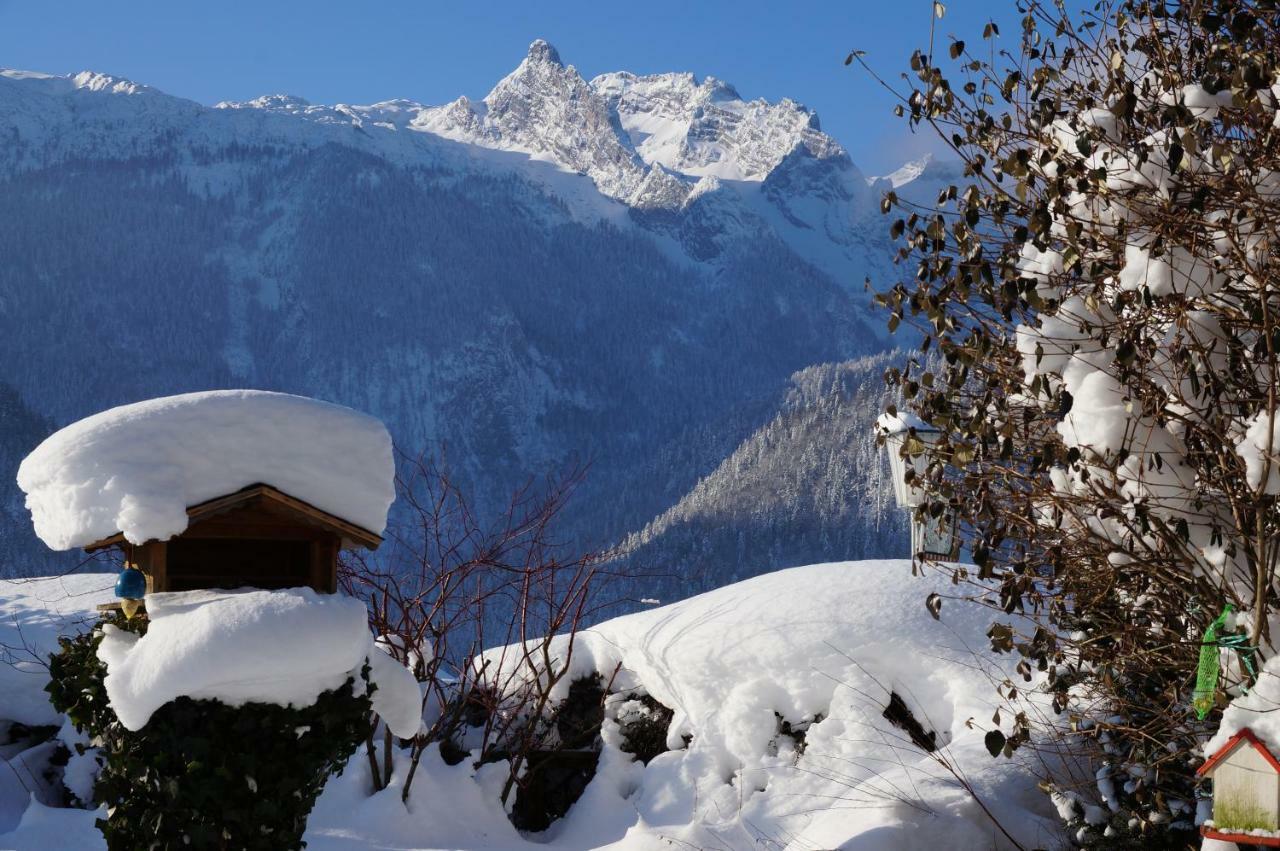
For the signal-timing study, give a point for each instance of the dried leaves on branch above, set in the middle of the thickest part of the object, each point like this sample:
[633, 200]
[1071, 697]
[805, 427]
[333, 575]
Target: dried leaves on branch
[1102, 294]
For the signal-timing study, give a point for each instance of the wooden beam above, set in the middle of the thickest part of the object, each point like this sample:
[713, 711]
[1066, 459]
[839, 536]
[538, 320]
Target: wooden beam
[348, 532]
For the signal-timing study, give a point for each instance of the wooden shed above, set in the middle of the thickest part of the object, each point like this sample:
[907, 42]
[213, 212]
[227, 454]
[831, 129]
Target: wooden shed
[258, 537]
[1246, 792]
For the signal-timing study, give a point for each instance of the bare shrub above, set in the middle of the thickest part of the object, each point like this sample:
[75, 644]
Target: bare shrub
[449, 585]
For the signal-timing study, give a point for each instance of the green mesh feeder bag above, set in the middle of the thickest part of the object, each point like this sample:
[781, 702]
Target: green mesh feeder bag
[1207, 670]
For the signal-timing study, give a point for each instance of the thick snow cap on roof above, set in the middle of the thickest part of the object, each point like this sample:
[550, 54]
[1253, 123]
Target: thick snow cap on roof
[137, 468]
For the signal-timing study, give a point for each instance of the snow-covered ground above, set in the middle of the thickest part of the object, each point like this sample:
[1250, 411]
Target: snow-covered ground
[821, 646]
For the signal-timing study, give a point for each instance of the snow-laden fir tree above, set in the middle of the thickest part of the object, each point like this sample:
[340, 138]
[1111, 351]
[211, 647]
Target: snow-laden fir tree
[1102, 290]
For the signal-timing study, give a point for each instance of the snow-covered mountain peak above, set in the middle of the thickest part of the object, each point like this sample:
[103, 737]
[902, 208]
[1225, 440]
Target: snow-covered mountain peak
[98, 82]
[541, 51]
[92, 81]
[701, 128]
[547, 110]
[907, 172]
[927, 169]
[920, 181]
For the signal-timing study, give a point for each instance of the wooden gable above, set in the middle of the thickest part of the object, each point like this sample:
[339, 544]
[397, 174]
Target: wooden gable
[257, 537]
[1246, 791]
[268, 500]
[1244, 738]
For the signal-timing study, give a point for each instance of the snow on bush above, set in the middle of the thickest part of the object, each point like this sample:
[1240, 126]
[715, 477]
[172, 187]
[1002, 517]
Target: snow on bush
[137, 468]
[1100, 290]
[1260, 451]
[280, 647]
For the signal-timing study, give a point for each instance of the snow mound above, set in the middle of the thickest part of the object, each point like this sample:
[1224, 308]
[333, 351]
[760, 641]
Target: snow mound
[237, 647]
[821, 646]
[137, 468]
[820, 649]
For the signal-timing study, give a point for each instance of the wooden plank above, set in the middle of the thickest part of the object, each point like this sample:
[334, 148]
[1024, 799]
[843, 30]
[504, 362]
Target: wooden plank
[255, 532]
[158, 577]
[324, 564]
[356, 533]
[117, 606]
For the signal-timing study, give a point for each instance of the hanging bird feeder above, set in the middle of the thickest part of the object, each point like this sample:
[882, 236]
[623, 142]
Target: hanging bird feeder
[131, 587]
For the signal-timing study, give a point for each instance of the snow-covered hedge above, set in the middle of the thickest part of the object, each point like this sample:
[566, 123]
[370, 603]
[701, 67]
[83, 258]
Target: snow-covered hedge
[218, 722]
[202, 774]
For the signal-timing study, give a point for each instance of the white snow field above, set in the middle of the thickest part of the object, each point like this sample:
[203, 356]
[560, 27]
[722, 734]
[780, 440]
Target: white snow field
[137, 468]
[821, 646]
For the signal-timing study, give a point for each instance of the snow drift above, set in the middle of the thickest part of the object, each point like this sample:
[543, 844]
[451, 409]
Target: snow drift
[137, 468]
[817, 651]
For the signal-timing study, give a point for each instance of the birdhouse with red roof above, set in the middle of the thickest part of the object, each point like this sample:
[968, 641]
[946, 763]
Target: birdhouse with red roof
[1246, 792]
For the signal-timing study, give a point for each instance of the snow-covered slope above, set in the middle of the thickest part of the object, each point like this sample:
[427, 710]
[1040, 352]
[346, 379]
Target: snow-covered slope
[819, 649]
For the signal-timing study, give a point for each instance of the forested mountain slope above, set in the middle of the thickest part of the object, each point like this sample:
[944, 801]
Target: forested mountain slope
[810, 483]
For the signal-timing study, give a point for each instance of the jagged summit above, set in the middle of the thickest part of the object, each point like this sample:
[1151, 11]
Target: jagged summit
[541, 51]
[95, 81]
[616, 129]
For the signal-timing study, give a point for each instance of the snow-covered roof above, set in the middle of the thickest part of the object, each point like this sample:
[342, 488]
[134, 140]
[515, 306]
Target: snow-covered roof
[136, 469]
[900, 422]
[1255, 712]
[1245, 738]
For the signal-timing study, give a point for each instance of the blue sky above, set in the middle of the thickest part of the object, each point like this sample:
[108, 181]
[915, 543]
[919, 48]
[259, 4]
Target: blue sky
[433, 51]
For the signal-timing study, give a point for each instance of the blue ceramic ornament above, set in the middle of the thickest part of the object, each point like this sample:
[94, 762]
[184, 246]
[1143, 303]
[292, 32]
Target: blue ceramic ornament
[131, 584]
